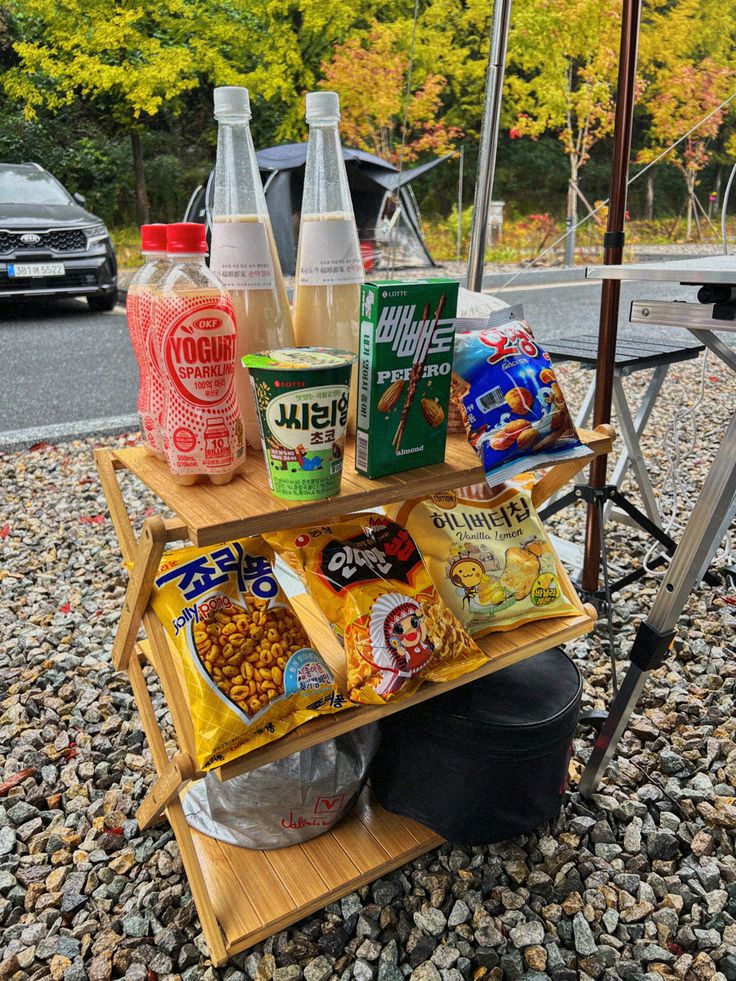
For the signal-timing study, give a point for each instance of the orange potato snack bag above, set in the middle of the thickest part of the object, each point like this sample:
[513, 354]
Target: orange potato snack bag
[366, 575]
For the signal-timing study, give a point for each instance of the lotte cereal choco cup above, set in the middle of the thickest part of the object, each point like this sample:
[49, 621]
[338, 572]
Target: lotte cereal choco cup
[301, 395]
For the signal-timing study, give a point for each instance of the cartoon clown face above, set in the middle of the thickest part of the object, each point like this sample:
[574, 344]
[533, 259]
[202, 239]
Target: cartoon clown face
[399, 640]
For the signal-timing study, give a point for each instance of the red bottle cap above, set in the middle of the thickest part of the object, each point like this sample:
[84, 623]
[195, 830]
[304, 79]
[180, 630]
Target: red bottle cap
[153, 238]
[186, 237]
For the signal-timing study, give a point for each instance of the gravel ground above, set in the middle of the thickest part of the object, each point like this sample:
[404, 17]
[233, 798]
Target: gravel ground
[638, 883]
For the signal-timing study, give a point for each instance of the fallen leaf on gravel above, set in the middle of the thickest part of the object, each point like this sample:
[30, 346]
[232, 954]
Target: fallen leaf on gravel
[5, 530]
[17, 778]
[96, 519]
[44, 444]
[65, 608]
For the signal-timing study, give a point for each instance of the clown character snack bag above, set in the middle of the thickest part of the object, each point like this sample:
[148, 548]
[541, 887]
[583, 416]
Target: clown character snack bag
[367, 576]
[251, 673]
[488, 556]
[512, 405]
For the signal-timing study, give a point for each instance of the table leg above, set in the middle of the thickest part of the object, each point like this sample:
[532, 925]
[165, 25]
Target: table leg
[640, 421]
[587, 407]
[716, 345]
[632, 455]
[711, 515]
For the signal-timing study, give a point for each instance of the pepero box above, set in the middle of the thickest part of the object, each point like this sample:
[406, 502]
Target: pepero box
[407, 334]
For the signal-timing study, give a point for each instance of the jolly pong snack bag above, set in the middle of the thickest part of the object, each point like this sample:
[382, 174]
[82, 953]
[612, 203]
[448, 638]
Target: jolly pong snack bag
[366, 575]
[489, 557]
[512, 405]
[250, 671]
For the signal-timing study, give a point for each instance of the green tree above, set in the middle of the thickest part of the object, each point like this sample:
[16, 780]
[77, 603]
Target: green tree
[373, 115]
[292, 40]
[127, 61]
[687, 78]
[563, 57]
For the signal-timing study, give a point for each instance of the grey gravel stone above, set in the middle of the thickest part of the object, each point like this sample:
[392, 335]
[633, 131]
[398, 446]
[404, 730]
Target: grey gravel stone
[426, 972]
[458, 914]
[432, 921]
[7, 840]
[318, 969]
[584, 941]
[527, 934]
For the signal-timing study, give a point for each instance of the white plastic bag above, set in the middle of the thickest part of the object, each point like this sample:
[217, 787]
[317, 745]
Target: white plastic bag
[288, 801]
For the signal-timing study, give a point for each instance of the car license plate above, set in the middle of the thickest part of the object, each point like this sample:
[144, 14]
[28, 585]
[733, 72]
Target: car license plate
[35, 269]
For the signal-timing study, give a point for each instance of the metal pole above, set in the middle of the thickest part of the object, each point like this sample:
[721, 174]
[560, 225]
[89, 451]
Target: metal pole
[569, 241]
[706, 526]
[460, 204]
[488, 142]
[613, 251]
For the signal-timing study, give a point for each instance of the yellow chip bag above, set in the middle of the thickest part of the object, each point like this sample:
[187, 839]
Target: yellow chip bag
[366, 575]
[250, 671]
[489, 556]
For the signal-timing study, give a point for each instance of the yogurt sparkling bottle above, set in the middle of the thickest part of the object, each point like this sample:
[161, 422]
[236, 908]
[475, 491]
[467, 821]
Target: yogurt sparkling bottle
[243, 249]
[139, 308]
[196, 338]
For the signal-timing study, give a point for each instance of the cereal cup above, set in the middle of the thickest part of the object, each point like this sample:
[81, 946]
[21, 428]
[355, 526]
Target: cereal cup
[301, 396]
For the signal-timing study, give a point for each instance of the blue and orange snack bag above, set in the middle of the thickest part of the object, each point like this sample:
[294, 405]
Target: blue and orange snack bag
[515, 414]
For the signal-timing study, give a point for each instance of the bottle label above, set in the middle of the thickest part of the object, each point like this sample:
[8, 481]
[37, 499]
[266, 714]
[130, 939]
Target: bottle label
[240, 255]
[199, 352]
[329, 254]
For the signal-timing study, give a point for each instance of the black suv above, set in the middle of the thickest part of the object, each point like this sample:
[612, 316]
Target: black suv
[49, 245]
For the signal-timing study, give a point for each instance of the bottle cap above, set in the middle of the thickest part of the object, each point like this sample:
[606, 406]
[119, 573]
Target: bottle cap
[186, 237]
[323, 105]
[232, 100]
[153, 238]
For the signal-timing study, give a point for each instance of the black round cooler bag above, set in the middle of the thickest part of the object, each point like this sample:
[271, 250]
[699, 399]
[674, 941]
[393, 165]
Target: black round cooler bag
[487, 761]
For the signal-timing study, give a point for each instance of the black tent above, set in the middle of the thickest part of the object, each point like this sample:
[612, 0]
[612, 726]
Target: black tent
[392, 235]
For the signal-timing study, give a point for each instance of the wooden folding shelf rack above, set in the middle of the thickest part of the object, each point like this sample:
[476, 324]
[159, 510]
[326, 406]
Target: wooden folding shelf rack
[243, 895]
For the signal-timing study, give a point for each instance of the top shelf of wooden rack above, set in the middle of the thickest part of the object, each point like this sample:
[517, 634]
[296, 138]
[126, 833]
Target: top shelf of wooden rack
[247, 507]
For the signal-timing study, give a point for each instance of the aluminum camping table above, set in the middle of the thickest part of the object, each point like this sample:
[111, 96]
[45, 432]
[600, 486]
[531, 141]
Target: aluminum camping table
[716, 504]
[633, 353]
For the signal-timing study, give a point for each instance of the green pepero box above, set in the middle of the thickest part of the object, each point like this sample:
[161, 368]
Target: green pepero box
[405, 352]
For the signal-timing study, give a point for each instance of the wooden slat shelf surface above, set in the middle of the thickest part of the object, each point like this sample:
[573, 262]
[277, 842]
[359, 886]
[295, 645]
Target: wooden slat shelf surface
[256, 893]
[247, 507]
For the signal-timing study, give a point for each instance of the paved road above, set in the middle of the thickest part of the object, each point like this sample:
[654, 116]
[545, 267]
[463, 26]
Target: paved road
[65, 371]
[61, 365]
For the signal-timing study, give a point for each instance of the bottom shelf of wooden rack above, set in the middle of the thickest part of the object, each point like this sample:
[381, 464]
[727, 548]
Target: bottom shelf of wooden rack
[254, 894]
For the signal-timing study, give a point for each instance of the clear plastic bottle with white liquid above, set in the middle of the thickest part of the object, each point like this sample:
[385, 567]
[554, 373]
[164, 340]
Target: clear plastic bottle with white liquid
[329, 268]
[243, 250]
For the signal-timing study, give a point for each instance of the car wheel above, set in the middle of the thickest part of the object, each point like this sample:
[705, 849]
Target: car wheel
[101, 302]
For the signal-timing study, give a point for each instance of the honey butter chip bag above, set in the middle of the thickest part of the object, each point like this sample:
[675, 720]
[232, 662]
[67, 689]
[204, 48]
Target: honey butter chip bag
[511, 402]
[250, 672]
[489, 556]
[366, 575]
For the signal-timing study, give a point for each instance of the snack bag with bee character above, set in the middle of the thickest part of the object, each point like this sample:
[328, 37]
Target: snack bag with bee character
[250, 671]
[366, 575]
[512, 405]
[488, 556]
